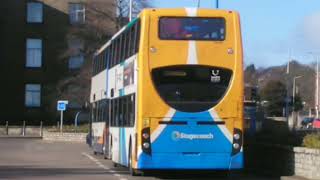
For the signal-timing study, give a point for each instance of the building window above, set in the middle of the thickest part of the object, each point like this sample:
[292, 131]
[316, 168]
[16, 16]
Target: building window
[34, 53]
[76, 13]
[76, 58]
[34, 12]
[33, 95]
[75, 62]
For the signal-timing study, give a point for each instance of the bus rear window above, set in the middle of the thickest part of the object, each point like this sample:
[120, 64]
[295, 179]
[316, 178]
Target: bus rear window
[192, 28]
[191, 88]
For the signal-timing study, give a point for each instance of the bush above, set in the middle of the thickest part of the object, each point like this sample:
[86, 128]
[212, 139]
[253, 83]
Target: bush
[312, 140]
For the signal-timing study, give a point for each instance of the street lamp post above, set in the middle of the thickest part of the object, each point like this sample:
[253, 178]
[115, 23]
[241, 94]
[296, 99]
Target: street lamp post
[294, 89]
[294, 119]
[317, 85]
[130, 9]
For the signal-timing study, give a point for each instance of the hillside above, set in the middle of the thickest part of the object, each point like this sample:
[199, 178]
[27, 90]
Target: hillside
[305, 85]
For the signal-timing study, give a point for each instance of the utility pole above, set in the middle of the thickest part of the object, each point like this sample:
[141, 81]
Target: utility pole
[287, 85]
[316, 93]
[317, 88]
[217, 4]
[130, 9]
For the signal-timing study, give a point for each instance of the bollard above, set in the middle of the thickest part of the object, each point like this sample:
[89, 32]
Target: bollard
[24, 128]
[7, 128]
[41, 129]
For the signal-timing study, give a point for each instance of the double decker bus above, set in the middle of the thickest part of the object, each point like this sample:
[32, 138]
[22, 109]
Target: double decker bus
[172, 80]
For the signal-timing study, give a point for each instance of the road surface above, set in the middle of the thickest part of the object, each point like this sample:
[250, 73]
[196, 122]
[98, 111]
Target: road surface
[45, 160]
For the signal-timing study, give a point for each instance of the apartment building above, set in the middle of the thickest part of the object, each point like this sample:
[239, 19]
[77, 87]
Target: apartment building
[36, 52]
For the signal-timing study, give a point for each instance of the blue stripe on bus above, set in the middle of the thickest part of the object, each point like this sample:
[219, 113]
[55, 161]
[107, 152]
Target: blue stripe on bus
[170, 152]
[237, 161]
[121, 92]
[123, 150]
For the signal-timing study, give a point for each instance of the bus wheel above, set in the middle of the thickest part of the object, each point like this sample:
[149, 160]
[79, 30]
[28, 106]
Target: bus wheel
[115, 164]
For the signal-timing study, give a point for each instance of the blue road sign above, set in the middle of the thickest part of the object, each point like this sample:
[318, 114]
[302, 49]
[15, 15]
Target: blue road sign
[62, 105]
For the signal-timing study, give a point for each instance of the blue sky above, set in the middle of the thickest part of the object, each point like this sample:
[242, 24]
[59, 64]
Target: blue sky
[271, 28]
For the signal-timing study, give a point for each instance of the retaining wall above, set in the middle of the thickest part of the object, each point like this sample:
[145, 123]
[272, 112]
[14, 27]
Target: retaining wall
[307, 162]
[64, 137]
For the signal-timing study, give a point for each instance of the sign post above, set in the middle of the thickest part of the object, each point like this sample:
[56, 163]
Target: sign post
[61, 106]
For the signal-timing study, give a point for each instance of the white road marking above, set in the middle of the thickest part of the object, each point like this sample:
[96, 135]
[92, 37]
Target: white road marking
[98, 163]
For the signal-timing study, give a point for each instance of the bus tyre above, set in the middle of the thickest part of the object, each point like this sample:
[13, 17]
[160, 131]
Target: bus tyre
[115, 164]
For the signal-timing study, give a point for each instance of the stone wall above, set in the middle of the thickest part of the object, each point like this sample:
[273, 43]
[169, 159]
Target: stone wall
[307, 162]
[66, 137]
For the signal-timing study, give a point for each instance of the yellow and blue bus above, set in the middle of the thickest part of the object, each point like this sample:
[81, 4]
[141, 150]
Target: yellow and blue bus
[172, 80]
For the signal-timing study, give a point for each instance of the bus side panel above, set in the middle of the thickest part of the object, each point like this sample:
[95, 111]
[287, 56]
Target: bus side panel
[123, 83]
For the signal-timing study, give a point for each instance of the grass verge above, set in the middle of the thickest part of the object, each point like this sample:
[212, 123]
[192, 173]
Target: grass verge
[312, 141]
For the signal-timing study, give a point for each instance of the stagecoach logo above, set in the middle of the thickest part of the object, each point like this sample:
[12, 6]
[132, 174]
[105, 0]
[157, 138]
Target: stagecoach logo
[179, 135]
[215, 77]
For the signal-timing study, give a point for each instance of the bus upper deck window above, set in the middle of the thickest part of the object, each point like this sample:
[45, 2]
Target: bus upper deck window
[192, 28]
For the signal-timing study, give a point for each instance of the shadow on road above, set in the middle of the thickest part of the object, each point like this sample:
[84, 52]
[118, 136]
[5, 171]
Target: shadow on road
[213, 175]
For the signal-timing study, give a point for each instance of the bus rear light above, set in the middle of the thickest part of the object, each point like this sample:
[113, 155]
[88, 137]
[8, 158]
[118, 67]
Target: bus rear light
[237, 141]
[145, 140]
[236, 136]
[146, 145]
[236, 146]
[145, 135]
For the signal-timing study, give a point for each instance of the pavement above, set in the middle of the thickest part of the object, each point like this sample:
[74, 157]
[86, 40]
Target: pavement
[29, 158]
[293, 178]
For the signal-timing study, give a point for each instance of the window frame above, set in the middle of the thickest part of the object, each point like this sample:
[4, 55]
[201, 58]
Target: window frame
[29, 21]
[80, 55]
[31, 61]
[33, 92]
[77, 11]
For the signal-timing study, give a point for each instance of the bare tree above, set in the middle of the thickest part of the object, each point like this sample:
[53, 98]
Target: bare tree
[103, 19]
[123, 10]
